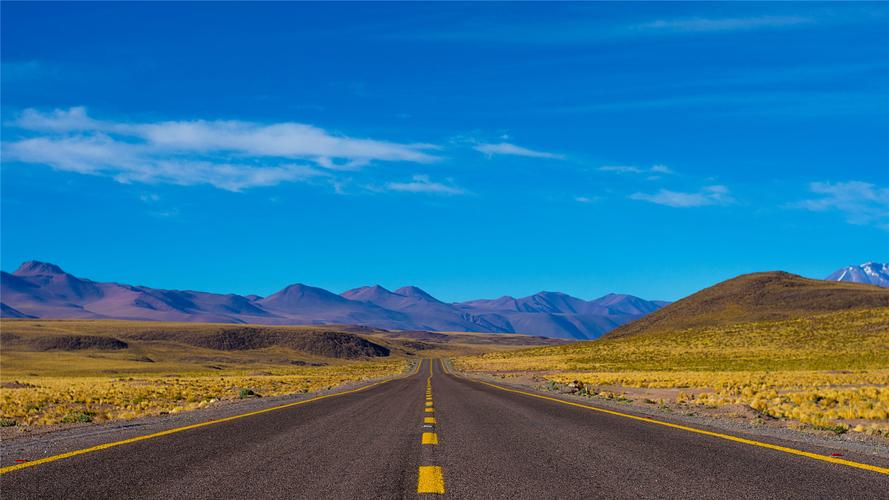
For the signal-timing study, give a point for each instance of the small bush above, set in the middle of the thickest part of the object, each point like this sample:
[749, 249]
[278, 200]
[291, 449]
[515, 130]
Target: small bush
[836, 429]
[80, 417]
[7, 422]
[247, 393]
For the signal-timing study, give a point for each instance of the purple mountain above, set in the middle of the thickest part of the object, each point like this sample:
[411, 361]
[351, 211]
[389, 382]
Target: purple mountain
[42, 290]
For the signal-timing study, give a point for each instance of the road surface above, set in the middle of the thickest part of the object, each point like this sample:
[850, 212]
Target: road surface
[433, 432]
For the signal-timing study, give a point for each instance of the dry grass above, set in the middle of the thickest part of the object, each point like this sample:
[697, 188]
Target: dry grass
[827, 371]
[46, 400]
[152, 377]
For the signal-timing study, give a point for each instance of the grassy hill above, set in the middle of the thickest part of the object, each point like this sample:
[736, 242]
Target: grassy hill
[790, 348]
[757, 297]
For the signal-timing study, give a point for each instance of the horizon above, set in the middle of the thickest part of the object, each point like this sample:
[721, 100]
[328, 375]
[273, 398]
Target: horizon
[470, 150]
[407, 285]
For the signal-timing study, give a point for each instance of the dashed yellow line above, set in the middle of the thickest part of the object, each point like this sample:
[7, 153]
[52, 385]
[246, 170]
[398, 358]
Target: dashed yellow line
[430, 438]
[105, 446]
[430, 480]
[736, 439]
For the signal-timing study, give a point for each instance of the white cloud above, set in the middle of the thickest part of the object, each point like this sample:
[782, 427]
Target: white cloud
[230, 155]
[705, 25]
[621, 169]
[423, 184]
[628, 169]
[59, 120]
[505, 148]
[586, 199]
[709, 195]
[582, 30]
[862, 203]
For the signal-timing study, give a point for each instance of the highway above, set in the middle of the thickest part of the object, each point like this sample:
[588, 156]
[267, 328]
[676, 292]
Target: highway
[436, 434]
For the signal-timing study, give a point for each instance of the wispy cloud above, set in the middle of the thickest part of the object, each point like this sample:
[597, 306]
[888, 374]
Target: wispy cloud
[423, 184]
[505, 148]
[586, 199]
[581, 28]
[707, 25]
[629, 169]
[708, 195]
[861, 203]
[231, 155]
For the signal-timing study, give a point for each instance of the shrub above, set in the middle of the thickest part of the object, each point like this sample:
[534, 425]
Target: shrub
[246, 393]
[80, 417]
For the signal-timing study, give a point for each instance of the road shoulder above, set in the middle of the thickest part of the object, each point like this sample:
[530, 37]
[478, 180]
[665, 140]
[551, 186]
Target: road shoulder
[869, 451]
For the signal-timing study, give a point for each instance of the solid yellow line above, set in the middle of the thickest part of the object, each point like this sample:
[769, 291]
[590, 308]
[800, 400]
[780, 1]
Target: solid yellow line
[430, 480]
[167, 432]
[430, 438]
[792, 451]
[428, 420]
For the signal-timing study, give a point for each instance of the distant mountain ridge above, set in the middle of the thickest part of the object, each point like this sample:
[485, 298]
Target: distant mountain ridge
[44, 290]
[871, 273]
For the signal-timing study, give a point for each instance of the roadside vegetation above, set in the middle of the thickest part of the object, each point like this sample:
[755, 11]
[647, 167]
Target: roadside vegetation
[827, 371]
[47, 400]
[56, 372]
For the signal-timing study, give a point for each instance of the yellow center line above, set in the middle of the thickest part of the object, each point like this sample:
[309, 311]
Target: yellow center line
[430, 480]
[24, 465]
[736, 439]
[430, 438]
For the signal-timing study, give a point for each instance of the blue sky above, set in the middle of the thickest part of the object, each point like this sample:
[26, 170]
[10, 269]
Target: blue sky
[474, 150]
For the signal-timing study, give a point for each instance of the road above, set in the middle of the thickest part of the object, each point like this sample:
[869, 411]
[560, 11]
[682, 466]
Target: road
[430, 432]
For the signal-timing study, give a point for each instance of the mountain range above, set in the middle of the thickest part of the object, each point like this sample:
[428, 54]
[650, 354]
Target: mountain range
[871, 273]
[44, 290]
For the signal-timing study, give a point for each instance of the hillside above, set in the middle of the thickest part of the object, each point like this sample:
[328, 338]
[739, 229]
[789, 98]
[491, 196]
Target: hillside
[767, 296]
[765, 347]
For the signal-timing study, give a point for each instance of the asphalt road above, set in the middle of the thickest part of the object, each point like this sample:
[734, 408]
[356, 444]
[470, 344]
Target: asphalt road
[482, 442]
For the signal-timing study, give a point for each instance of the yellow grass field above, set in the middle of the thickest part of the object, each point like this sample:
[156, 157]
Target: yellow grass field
[39, 388]
[827, 371]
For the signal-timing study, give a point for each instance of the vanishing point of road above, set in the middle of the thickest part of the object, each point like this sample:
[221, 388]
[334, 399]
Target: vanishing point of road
[433, 433]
